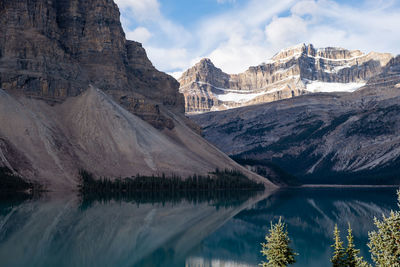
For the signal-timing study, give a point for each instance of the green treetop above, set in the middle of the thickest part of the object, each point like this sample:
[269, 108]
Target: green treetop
[338, 258]
[277, 249]
[352, 259]
[384, 243]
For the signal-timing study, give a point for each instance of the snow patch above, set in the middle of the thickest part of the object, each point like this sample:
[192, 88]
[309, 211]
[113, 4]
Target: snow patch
[326, 87]
[338, 59]
[219, 108]
[338, 68]
[238, 98]
[274, 90]
[293, 77]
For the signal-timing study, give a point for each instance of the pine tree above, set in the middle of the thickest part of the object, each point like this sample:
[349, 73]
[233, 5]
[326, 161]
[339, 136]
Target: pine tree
[351, 251]
[339, 256]
[352, 258]
[384, 243]
[277, 249]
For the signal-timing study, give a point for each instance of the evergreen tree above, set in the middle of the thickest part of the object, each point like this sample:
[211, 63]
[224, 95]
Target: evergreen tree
[339, 255]
[277, 249]
[352, 258]
[384, 243]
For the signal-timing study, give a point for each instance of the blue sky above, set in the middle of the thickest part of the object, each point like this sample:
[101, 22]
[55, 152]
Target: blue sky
[236, 34]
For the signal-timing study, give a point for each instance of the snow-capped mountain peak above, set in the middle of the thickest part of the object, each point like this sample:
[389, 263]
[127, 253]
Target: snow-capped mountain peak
[293, 71]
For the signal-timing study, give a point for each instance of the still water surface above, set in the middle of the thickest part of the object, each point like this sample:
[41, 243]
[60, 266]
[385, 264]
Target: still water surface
[224, 231]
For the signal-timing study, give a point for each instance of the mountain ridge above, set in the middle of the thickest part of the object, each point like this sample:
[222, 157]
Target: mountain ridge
[294, 71]
[333, 138]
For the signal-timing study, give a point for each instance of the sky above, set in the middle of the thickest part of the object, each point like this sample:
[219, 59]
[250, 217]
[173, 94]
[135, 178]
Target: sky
[237, 34]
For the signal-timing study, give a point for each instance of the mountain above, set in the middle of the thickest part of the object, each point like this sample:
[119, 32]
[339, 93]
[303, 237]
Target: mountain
[53, 50]
[117, 227]
[75, 94]
[333, 138]
[292, 72]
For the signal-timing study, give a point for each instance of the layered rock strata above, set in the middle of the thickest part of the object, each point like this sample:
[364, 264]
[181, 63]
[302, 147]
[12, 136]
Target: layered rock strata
[332, 138]
[51, 50]
[292, 72]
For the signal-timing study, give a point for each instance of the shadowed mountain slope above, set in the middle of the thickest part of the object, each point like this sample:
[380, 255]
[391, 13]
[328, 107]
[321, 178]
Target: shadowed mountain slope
[319, 138]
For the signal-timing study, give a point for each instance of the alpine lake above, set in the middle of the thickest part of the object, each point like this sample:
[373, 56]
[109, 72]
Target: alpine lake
[198, 229]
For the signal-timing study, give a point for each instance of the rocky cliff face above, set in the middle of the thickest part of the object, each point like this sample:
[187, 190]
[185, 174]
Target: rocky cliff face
[54, 49]
[75, 94]
[294, 71]
[320, 138]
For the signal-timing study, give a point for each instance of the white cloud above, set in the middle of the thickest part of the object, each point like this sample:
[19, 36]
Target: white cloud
[236, 40]
[305, 7]
[369, 27]
[286, 31]
[249, 33]
[147, 14]
[163, 39]
[140, 34]
[169, 58]
[232, 58]
[140, 9]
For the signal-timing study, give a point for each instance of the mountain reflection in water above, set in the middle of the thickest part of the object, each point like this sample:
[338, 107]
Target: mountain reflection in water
[310, 214]
[196, 229]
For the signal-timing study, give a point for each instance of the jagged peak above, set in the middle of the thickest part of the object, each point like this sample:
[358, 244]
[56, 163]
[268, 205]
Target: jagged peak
[304, 46]
[203, 65]
[330, 52]
[294, 47]
[205, 62]
[329, 48]
[291, 51]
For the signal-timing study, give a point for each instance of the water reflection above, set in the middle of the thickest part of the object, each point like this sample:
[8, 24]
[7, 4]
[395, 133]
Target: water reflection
[66, 231]
[216, 198]
[310, 215]
[174, 230]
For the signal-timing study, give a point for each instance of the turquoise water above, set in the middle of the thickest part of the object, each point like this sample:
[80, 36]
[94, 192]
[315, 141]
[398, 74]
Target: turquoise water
[224, 231]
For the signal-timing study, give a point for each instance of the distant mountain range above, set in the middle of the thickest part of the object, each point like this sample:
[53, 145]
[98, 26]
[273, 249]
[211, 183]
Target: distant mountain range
[75, 94]
[294, 71]
[329, 138]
